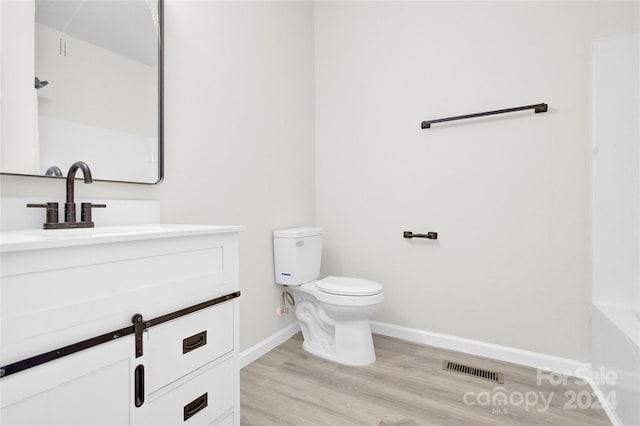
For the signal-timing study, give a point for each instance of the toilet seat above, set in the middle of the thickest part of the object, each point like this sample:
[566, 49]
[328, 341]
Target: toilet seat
[346, 286]
[346, 300]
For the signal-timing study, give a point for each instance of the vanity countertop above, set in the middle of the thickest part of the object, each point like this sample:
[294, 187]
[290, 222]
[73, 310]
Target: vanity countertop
[33, 239]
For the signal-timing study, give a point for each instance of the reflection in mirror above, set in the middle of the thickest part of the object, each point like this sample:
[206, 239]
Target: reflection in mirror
[97, 89]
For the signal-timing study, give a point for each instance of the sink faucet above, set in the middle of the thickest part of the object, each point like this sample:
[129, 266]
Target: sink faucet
[70, 205]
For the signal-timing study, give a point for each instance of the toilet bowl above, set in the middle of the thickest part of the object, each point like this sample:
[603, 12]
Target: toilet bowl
[335, 326]
[333, 312]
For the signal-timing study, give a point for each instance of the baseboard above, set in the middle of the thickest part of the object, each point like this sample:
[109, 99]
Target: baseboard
[256, 351]
[540, 361]
[537, 360]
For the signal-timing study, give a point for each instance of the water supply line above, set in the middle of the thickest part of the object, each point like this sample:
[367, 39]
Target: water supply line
[286, 298]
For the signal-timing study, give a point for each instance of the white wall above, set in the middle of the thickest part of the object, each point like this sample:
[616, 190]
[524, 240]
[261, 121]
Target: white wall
[239, 136]
[240, 132]
[64, 142]
[508, 195]
[121, 91]
[17, 95]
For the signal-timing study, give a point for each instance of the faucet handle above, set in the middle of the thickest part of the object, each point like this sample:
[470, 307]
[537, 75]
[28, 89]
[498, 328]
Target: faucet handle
[85, 211]
[52, 210]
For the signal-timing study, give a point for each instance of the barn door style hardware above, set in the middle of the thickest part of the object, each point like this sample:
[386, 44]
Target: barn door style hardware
[138, 327]
[537, 109]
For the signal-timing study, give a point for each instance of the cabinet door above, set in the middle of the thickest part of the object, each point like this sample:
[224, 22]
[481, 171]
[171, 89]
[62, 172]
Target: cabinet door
[91, 387]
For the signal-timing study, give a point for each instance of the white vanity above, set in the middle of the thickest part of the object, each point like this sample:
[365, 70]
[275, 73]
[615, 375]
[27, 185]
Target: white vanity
[70, 351]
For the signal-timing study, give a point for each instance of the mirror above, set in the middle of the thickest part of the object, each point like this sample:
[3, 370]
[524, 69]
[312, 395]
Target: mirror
[95, 91]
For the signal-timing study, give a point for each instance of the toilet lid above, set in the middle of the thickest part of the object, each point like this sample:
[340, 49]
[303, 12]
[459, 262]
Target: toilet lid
[348, 286]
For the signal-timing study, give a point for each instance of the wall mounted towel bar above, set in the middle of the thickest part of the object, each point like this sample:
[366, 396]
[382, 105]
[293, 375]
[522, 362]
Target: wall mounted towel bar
[537, 108]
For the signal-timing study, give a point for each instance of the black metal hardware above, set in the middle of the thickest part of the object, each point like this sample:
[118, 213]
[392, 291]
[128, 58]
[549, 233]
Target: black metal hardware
[194, 342]
[52, 216]
[67, 225]
[537, 109]
[39, 84]
[85, 211]
[53, 171]
[429, 235]
[191, 309]
[138, 329]
[52, 212]
[195, 406]
[70, 205]
[34, 361]
[138, 386]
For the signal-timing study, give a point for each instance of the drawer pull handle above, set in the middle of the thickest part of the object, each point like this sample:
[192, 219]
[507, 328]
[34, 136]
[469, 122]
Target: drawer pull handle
[195, 406]
[139, 385]
[194, 342]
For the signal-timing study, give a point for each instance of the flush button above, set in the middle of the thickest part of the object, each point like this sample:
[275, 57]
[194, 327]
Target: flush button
[299, 243]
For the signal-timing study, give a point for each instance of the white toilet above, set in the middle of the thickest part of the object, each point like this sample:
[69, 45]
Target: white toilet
[333, 312]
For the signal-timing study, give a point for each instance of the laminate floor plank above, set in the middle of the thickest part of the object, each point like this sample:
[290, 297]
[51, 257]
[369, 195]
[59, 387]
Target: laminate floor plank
[406, 386]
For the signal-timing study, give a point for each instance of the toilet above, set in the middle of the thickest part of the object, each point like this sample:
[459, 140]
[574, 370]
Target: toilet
[333, 312]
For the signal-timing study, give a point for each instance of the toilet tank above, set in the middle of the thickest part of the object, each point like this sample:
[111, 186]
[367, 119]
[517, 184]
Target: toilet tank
[296, 254]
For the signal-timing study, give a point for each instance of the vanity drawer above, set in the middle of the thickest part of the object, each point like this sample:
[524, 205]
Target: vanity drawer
[177, 347]
[199, 401]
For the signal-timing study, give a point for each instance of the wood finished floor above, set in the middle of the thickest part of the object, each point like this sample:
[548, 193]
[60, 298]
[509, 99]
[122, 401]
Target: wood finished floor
[405, 386]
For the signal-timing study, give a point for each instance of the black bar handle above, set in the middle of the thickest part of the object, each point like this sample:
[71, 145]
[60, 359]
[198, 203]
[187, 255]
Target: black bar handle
[138, 390]
[85, 211]
[52, 210]
[429, 235]
[195, 406]
[537, 109]
[194, 342]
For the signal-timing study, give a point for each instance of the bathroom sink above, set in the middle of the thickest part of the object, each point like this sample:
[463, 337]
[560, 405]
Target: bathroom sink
[30, 239]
